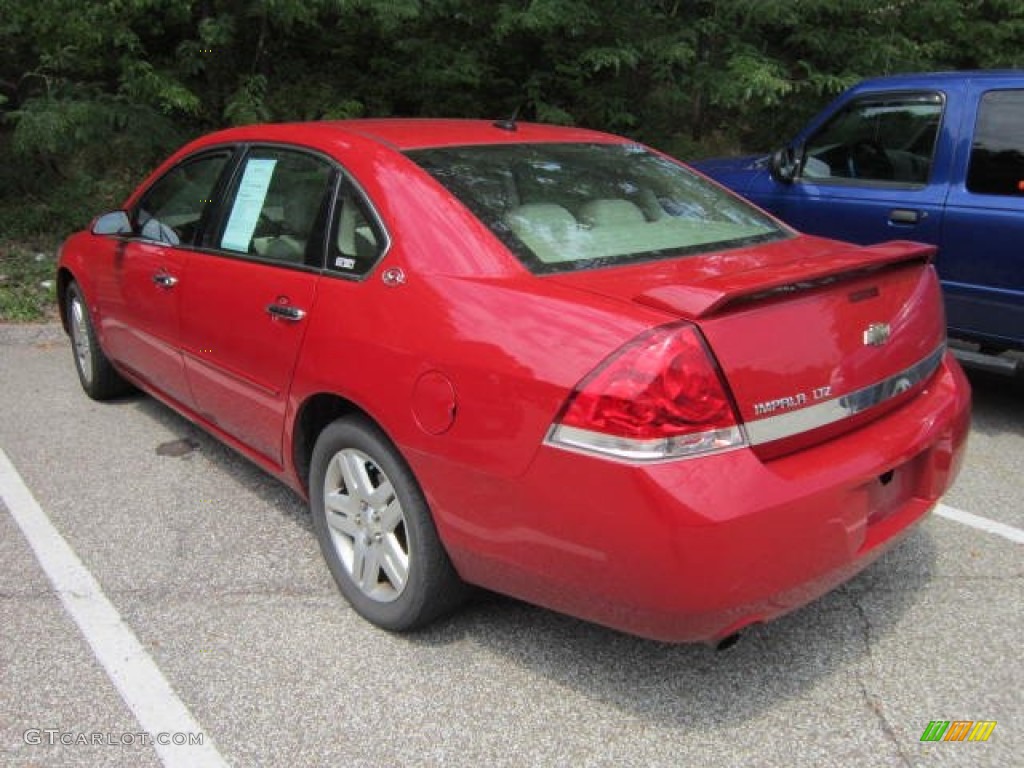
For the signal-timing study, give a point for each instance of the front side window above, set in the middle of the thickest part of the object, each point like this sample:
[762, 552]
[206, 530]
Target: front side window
[277, 207]
[173, 208]
[579, 206]
[997, 154]
[887, 139]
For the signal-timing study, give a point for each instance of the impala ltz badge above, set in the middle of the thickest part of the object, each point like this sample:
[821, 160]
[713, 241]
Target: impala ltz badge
[877, 334]
[796, 400]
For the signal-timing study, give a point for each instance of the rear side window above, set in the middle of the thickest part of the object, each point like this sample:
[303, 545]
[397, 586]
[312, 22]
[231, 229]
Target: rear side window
[888, 139]
[997, 154]
[357, 239]
[278, 207]
[563, 207]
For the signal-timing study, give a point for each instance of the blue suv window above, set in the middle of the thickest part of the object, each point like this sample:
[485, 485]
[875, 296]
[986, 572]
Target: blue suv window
[888, 139]
[997, 155]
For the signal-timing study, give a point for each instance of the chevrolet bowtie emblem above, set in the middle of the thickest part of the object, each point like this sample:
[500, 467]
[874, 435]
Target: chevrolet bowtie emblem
[877, 334]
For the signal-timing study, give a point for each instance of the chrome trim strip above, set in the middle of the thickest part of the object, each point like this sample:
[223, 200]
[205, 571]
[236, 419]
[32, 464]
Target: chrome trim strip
[642, 451]
[784, 425]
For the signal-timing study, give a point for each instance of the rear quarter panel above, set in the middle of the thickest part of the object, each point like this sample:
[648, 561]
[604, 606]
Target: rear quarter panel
[511, 345]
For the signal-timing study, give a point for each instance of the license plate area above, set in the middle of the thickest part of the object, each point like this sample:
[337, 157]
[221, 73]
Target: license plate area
[891, 490]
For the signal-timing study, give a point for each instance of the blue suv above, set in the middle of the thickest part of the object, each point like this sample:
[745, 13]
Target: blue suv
[937, 158]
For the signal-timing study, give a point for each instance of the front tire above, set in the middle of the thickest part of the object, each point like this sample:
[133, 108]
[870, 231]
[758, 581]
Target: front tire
[376, 531]
[95, 372]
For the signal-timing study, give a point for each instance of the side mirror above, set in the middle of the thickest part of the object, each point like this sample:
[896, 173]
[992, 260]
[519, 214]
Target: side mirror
[785, 164]
[113, 223]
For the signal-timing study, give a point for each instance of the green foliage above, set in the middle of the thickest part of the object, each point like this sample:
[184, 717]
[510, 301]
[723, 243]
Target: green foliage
[247, 103]
[91, 92]
[75, 126]
[663, 69]
[26, 282]
[142, 84]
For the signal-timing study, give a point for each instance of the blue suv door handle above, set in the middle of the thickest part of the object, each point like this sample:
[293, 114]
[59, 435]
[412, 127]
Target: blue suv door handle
[905, 216]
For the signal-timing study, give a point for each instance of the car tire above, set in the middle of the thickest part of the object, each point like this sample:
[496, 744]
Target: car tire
[97, 375]
[376, 531]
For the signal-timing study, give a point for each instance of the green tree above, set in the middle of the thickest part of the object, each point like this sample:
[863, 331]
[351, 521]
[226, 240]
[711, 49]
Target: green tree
[93, 93]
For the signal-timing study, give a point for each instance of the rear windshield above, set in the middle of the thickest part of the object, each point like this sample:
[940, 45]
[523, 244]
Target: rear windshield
[579, 206]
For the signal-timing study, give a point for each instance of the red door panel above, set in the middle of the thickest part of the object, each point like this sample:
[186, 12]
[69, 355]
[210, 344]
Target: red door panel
[141, 312]
[242, 326]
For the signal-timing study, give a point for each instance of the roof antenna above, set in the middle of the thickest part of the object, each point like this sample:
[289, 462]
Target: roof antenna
[509, 124]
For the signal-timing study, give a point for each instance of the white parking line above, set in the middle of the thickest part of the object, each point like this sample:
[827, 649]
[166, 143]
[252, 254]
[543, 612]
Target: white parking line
[981, 523]
[138, 679]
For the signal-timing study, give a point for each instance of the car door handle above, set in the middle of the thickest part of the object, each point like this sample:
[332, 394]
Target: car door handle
[286, 312]
[904, 216]
[165, 280]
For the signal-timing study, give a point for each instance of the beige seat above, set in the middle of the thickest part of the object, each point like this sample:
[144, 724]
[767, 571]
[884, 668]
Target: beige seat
[545, 219]
[610, 213]
[301, 206]
[547, 229]
[356, 239]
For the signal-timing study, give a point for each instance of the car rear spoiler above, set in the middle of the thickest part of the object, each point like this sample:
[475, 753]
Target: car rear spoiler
[714, 294]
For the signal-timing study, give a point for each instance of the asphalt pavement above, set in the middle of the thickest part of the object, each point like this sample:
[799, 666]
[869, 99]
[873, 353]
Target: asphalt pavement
[213, 570]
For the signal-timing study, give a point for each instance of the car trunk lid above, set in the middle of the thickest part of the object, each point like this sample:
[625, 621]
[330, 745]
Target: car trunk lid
[813, 337]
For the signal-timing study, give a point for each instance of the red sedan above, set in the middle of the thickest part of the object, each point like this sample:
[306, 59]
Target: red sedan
[546, 361]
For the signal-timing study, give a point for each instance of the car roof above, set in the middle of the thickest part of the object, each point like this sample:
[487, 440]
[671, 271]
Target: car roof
[429, 132]
[411, 133]
[920, 79]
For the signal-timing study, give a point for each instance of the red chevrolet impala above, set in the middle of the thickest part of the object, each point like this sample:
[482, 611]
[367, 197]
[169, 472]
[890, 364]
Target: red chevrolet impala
[546, 361]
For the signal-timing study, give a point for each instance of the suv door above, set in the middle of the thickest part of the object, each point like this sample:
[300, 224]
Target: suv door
[142, 298]
[249, 290]
[981, 262]
[871, 172]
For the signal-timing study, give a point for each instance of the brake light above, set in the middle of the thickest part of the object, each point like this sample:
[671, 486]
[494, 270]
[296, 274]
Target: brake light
[658, 397]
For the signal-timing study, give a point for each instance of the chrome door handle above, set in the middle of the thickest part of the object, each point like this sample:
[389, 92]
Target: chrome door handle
[165, 280]
[904, 216]
[286, 312]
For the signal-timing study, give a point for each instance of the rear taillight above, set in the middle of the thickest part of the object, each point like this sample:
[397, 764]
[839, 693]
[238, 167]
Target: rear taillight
[659, 397]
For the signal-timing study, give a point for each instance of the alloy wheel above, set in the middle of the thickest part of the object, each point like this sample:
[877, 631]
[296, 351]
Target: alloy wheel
[367, 525]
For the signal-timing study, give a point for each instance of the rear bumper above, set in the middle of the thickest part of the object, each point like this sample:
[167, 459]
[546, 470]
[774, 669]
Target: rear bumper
[694, 550]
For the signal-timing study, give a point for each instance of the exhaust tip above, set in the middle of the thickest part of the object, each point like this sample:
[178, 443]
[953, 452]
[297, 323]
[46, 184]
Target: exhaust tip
[727, 642]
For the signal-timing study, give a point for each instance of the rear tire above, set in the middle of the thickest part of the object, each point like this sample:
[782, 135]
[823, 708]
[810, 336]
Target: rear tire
[376, 531]
[96, 374]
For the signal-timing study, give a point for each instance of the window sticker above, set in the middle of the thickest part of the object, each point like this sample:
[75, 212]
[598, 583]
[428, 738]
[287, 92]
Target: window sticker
[252, 193]
[344, 263]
